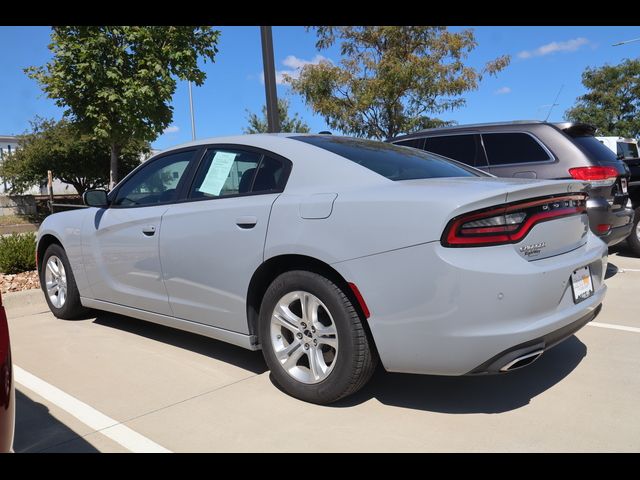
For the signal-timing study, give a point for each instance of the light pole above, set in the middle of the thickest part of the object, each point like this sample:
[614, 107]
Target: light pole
[273, 118]
[193, 120]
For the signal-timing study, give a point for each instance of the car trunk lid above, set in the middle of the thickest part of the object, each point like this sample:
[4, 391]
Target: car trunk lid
[537, 218]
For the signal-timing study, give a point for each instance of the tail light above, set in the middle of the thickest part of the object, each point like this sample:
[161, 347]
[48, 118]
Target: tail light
[509, 223]
[597, 176]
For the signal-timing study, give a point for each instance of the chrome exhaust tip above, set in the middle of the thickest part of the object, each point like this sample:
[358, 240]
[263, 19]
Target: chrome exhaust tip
[522, 361]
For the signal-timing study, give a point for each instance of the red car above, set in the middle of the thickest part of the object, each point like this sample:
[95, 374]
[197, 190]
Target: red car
[7, 393]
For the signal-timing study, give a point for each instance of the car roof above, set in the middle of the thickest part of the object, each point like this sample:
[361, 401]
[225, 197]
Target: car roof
[263, 140]
[492, 126]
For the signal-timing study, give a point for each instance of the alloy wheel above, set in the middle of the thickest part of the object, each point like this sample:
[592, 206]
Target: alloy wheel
[304, 337]
[55, 279]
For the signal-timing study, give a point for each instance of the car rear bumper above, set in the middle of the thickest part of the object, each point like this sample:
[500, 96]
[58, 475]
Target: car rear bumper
[527, 352]
[621, 220]
[444, 311]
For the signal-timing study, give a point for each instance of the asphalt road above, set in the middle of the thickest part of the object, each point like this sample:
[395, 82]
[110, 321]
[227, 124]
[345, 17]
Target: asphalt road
[116, 384]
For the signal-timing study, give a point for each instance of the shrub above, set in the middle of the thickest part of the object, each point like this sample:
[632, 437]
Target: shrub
[18, 252]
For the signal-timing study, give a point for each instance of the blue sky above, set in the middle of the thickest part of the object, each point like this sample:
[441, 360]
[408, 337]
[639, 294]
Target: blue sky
[543, 59]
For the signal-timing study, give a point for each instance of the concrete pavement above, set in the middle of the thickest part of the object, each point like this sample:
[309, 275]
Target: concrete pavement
[189, 393]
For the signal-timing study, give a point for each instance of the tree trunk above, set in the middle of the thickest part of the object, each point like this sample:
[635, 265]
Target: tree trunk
[80, 187]
[113, 167]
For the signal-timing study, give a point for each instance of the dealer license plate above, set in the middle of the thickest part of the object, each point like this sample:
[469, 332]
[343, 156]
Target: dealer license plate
[582, 284]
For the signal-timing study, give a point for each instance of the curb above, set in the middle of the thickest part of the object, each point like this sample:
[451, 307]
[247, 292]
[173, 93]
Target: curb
[15, 300]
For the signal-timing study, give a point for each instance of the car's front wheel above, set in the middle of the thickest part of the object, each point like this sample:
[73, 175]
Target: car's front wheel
[313, 339]
[59, 284]
[633, 240]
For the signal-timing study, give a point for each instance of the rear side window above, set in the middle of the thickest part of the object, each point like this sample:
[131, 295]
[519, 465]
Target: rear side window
[412, 142]
[231, 172]
[507, 148]
[225, 172]
[390, 161]
[459, 147]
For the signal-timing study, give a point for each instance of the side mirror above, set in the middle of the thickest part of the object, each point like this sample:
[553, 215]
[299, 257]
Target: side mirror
[95, 198]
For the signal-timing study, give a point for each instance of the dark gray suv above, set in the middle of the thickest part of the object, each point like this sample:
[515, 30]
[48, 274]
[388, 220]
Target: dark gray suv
[534, 149]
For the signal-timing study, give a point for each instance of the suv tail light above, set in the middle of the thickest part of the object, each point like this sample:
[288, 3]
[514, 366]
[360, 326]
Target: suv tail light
[597, 176]
[508, 223]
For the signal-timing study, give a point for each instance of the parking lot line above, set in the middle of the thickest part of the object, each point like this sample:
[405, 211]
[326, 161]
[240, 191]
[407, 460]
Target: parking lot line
[614, 327]
[88, 415]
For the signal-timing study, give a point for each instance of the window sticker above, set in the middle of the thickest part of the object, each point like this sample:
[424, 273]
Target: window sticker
[218, 173]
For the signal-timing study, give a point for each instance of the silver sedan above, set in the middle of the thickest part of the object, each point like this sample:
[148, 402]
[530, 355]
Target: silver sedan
[331, 253]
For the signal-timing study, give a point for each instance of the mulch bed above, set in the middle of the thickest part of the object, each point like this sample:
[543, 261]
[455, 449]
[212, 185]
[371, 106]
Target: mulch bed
[19, 281]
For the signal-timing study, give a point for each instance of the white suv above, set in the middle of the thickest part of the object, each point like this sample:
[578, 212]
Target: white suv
[627, 150]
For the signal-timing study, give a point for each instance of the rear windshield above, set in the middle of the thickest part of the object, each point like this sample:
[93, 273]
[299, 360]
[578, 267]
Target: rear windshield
[595, 149]
[627, 150]
[391, 161]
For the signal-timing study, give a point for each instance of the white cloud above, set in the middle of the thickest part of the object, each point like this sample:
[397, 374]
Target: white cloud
[502, 91]
[295, 64]
[171, 129]
[553, 47]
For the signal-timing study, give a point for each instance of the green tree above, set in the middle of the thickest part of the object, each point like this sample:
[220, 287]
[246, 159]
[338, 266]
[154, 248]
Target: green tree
[392, 79]
[612, 101]
[116, 82]
[288, 124]
[73, 157]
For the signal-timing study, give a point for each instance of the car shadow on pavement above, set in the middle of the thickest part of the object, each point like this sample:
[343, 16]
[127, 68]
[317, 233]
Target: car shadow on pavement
[225, 352]
[472, 394]
[612, 270]
[37, 430]
[622, 250]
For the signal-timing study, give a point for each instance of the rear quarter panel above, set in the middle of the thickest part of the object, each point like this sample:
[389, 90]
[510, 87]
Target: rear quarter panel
[366, 221]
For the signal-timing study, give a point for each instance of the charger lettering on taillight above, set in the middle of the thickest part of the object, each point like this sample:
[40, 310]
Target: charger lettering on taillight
[508, 223]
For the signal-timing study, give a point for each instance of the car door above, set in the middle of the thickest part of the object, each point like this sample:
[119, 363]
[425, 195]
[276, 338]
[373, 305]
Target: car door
[120, 245]
[515, 154]
[211, 245]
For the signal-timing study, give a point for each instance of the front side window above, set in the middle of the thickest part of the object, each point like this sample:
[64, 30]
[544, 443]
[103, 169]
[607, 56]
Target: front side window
[229, 172]
[155, 183]
[508, 148]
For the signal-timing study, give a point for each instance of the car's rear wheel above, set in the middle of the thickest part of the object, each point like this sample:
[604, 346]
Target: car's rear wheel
[59, 285]
[633, 240]
[313, 339]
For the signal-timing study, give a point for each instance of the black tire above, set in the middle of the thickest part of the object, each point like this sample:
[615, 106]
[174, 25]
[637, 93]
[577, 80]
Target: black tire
[633, 240]
[357, 358]
[72, 308]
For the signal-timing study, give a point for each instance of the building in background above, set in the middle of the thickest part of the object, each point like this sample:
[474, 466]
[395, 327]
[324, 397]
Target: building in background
[9, 143]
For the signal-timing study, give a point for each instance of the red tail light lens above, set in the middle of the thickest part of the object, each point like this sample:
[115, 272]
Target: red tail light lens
[597, 176]
[508, 223]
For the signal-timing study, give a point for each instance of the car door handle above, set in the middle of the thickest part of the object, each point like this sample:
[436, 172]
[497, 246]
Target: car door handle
[149, 230]
[246, 222]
